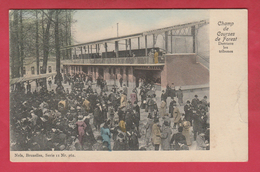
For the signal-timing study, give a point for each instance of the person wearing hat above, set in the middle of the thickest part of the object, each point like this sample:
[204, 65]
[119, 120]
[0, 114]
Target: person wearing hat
[148, 129]
[104, 112]
[201, 143]
[167, 119]
[125, 90]
[179, 95]
[129, 119]
[195, 102]
[173, 91]
[97, 116]
[111, 113]
[106, 135]
[176, 115]
[122, 125]
[112, 98]
[197, 123]
[121, 141]
[162, 110]
[133, 97]
[34, 118]
[86, 105]
[204, 103]
[81, 128]
[179, 140]
[121, 81]
[123, 102]
[156, 57]
[164, 96]
[166, 136]
[89, 132]
[186, 130]
[150, 105]
[171, 107]
[136, 110]
[156, 134]
[188, 112]
[133, 138]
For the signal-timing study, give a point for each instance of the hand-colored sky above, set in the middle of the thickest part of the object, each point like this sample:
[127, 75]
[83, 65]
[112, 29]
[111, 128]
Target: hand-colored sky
[99, 24]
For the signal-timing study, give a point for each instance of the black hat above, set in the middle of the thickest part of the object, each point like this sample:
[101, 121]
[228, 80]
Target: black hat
[205, 97]
[188, 101]
[196, 95]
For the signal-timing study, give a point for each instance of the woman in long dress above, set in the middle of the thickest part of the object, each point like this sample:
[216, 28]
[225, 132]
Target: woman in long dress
[106, 135]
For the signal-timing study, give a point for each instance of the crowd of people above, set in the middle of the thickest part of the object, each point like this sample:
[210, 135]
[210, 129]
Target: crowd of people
[70, 119]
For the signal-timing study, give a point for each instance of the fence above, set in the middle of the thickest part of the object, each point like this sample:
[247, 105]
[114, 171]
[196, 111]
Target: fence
[121, 60]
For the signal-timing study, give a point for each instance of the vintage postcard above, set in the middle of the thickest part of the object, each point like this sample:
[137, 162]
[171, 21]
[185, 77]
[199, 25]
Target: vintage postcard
[128, 85]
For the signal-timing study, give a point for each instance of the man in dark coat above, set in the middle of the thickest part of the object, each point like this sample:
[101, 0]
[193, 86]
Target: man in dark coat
[98, 116]
[121, 81]
[164, 96]
[180, 96]
[136, 109]
[173, 91]
[188, 112]
[112, 98]
[133, 138]
[125, 90]
[195, 102]
[197, 123]
[179, 140]
[129, 120]
[172, 104]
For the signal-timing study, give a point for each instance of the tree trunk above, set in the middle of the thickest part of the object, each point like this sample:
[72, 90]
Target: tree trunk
[12, 45]
[16, 45]
[37, 44]
[46, 38]
[57, 47]
[69, 35]
[21, 43]
[66, 35]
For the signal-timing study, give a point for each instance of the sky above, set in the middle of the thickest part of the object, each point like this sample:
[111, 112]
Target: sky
[94, 25]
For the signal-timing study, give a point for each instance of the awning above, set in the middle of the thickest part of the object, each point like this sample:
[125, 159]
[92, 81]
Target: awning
[30, 78]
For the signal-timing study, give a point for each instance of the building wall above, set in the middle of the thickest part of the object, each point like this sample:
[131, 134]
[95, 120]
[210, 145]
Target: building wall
[182, 70]
[28, 68]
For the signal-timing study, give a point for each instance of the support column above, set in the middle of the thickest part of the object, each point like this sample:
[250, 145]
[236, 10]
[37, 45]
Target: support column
[166, 42]
[106, 50]
[91, 51]
[81, 52]
[130, 51]
[194, 36]
[171, 41]
[75, 49]
[116, 48]
[88, 51]
[153, 40]
[138, 42]
[96, 49]
[145, 38]
[126, 44]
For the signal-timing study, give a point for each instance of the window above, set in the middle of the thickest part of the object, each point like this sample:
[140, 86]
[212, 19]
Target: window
[49, 69]
[32, 70]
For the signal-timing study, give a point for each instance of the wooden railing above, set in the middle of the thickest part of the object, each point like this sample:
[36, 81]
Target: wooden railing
[120, 60]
